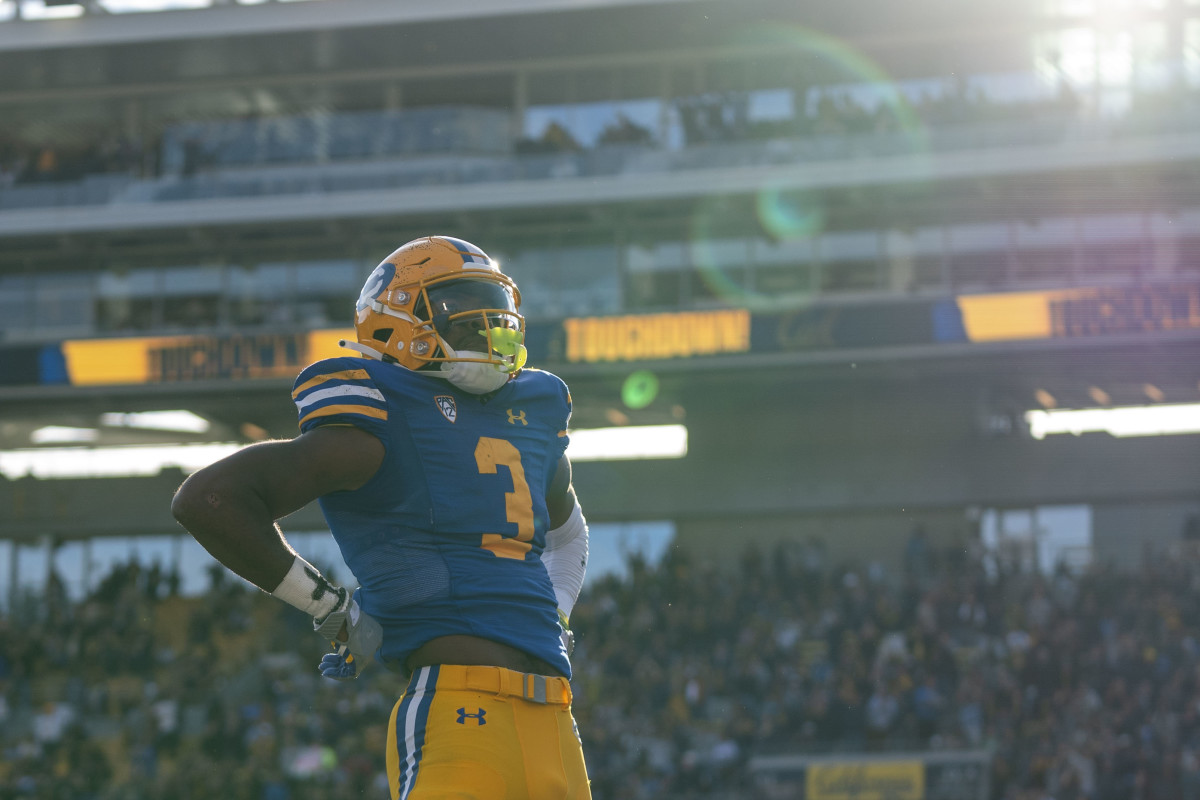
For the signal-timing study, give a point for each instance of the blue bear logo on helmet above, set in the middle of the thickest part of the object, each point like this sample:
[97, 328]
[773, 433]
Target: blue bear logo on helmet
[376, 286]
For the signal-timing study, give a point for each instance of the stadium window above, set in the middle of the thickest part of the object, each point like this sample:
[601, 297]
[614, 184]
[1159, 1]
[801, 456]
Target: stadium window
[1120, 260]
[549, 118]
[725, 287]
[851, 276]
[630, 122]
[536, 272]
[783, 269]
[1151, 70]
[654, 274]
[618, 545]
[30, 566]
[719, 271]
[849, 261]
[589, 280]
[192, 296]
[656, 290]
[1039, 539]
[1038, 267]
[1191, 48]
[130, 299]
[1114, 246]
[1189, 255]
[979, 255]
[16, 306]
[63, 303]
[981, 270]
[260, 294]
[326, 291]
[784, 281]
[637, 100]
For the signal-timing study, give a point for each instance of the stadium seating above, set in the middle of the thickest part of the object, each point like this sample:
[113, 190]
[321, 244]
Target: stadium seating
[683, 673]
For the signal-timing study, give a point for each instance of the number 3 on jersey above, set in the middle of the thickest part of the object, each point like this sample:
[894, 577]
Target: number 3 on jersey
[518, 504]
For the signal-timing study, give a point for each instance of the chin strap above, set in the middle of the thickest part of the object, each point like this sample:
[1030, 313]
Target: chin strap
[369, 352]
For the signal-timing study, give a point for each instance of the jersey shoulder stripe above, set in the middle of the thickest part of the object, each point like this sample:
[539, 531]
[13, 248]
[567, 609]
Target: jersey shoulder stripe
[343, 410]
[346, 374]
[555, 386]
[337, 390]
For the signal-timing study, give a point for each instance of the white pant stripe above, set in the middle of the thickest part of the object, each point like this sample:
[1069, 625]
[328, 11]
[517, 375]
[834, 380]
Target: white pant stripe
[408, 776]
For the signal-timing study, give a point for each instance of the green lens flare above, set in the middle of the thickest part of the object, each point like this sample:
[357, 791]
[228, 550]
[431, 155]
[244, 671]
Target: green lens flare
[787, 213]
[639, 389]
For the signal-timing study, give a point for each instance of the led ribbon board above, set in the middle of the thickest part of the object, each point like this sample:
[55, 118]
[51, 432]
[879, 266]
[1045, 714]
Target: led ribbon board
[1065, 313]
[93, 362]
[657, 336]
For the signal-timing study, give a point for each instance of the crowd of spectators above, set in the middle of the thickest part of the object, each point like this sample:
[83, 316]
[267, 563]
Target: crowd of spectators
[184, 149]
[1079, 686]
[26, 162]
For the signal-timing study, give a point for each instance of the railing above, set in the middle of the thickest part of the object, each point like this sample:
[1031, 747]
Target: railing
[254, 178]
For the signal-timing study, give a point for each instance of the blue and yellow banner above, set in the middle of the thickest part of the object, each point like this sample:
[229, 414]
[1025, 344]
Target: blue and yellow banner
[695, 335]
[1064, 313]
[169, 359]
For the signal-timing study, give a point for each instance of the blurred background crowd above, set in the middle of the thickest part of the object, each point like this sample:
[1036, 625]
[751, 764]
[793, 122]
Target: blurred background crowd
[1081, 686]
[189, 147]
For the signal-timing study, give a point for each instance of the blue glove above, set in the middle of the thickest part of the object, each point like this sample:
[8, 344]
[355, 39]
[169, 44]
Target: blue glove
[350, 656]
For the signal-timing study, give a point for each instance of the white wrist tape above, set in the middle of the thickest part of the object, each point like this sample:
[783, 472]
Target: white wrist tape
[565, 558]
[308, 590]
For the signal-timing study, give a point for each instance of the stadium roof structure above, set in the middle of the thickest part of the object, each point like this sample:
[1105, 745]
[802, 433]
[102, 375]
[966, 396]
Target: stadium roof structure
[960, 269]
[97, 25]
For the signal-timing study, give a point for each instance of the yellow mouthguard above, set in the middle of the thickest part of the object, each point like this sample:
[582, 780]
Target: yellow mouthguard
[508, 342]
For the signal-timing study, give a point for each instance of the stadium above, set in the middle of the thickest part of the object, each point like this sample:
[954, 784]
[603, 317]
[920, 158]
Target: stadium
[881, 323]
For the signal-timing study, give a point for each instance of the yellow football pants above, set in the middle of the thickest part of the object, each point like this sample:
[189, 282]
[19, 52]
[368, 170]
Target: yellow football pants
[484, 733]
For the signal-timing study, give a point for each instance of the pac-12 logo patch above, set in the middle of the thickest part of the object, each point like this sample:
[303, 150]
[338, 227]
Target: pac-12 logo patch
[446, 405]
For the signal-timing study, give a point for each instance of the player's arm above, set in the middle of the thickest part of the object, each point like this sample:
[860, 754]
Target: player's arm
[230, 506]
[566, 553]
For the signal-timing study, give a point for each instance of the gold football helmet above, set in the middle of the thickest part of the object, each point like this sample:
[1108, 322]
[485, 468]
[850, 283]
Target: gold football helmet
[443, 300]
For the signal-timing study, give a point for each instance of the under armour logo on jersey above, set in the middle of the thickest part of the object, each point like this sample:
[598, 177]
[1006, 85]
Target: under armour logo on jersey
[463, 716]
[513, 419]
[446, 405]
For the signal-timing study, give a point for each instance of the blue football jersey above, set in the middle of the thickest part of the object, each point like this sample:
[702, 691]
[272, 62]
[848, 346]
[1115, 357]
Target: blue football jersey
[447, 537]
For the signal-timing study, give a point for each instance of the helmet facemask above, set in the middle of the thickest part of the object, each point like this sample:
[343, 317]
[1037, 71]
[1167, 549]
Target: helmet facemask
[472, 329]
[441, 305]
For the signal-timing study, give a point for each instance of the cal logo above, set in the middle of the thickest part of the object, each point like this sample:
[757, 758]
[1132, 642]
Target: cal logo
[446, 405]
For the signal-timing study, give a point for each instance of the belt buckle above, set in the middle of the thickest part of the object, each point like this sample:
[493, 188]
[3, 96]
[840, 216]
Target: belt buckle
[538, 692]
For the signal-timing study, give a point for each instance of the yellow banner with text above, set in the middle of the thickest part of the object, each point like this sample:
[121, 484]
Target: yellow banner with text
[95, 362]
[657, 336]
[886, 780]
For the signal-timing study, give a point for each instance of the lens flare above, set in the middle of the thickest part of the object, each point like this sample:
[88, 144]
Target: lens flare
[639, 389]
[836, 89]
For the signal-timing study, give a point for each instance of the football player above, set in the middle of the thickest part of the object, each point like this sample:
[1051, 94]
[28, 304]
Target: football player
[439, 463]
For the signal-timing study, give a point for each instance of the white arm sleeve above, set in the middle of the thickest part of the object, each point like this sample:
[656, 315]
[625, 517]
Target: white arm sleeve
[565, 558]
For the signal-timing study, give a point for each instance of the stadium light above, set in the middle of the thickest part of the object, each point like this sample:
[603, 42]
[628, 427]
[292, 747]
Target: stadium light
[596, 444]
[173, 421]
[1122, 421]
[51, 9]
[628, 443]
[110, 462]
[62, 434]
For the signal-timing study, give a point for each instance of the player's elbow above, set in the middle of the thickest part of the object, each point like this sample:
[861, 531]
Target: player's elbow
[196, 500]
[184, 503]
